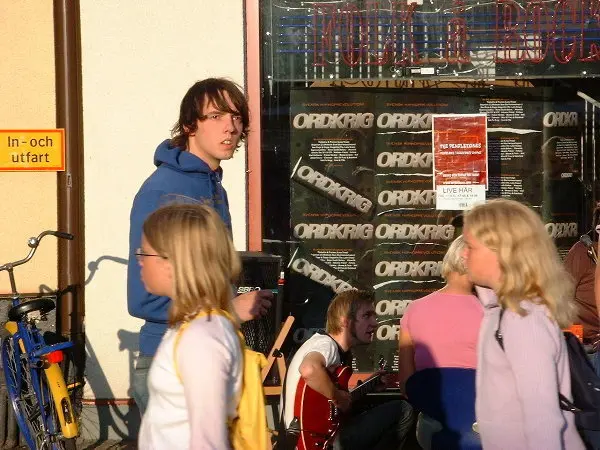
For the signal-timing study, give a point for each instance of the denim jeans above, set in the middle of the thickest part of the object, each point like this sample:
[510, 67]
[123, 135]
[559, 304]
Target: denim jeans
[139, 386]
[384, 427]
[426, 427]
[595, 360]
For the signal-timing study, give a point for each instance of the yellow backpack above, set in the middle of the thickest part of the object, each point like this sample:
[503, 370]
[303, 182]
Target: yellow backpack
[248, 431]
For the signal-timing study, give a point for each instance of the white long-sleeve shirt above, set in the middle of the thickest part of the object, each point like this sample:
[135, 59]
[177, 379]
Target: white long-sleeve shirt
[193, 413]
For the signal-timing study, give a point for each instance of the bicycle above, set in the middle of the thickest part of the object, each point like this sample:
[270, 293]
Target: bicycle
[34, 379]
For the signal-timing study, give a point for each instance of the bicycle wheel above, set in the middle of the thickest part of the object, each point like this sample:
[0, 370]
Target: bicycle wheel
[41, 431]
[21, 393]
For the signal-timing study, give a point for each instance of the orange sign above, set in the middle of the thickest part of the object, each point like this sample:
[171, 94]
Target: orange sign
[32, 150]
[577, 330]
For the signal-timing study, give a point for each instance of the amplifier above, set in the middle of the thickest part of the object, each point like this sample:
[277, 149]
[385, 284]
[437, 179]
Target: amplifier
[262, 271]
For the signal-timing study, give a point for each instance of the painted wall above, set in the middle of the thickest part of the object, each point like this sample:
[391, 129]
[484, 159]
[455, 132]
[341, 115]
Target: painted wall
[139, 58]
[27, 91]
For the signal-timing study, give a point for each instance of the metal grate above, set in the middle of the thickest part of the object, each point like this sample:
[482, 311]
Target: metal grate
[260, 271]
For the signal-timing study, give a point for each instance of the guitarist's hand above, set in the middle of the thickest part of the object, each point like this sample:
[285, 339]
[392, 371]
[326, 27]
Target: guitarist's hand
[342, 400]
[390, 380]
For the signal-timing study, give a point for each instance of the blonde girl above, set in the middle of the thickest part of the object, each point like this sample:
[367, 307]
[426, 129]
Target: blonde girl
[441, 330]
[186, 254]
[513, 260]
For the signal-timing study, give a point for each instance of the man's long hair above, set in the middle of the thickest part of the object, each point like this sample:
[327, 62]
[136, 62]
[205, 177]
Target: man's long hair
[213, 91]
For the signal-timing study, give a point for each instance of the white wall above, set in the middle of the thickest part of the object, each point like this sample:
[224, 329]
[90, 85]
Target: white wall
[139, 58]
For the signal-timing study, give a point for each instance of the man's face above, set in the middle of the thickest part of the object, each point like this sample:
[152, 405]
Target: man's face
[364, 326]
[217, 136]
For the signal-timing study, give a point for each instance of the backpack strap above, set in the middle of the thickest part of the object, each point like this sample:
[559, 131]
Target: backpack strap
[180, 331]
[565, 403]
[498, 333]
[184, 325]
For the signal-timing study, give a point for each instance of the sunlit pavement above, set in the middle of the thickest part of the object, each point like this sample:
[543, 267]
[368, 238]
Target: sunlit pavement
[106, 445]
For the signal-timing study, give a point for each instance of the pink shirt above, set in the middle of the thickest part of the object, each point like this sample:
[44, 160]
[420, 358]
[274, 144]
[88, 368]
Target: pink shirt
[444, 329]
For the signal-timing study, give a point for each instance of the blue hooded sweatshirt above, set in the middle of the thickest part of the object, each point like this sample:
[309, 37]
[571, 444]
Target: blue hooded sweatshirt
[179, 174]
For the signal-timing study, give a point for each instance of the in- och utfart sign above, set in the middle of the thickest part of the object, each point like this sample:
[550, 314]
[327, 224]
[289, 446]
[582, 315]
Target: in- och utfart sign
[32, 150]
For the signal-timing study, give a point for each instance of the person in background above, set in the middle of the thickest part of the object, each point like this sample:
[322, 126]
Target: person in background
[441, 330]
[580, 262]
[351, 321]
[195, 381]
[213, 121]
[514, 263]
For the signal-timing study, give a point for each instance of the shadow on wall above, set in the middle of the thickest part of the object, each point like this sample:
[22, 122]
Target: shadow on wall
[101, 419]
[93, 266]
[109, 418]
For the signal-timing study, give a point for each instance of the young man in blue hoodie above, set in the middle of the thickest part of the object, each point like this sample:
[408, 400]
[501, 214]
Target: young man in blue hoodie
[213, 120]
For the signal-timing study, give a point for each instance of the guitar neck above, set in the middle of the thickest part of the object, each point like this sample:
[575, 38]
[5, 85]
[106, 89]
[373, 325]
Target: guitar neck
[365, 387]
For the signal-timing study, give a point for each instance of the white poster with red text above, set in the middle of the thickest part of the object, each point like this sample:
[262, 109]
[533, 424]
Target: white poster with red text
[460, 172]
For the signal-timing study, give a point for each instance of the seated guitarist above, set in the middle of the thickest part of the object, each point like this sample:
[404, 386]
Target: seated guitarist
[311, 391]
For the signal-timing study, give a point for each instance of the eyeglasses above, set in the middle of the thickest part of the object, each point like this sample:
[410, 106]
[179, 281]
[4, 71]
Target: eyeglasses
[139, 254]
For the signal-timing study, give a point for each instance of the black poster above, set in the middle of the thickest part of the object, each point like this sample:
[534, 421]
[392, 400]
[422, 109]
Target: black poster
[363, 207]
[514, 143]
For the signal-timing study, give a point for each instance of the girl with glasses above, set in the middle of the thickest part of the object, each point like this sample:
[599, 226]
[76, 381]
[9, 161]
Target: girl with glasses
[195, 379]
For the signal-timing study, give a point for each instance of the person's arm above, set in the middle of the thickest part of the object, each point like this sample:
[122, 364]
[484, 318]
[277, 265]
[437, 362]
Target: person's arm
[206, 357]
[314, 372]
[597, 282]
[406, 358]
[575, 262]
[530, 348]
[141, 303]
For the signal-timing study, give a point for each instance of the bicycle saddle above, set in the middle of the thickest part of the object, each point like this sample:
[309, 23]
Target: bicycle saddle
[44, 305]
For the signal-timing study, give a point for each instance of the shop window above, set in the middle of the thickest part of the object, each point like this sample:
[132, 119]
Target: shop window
[350, 90]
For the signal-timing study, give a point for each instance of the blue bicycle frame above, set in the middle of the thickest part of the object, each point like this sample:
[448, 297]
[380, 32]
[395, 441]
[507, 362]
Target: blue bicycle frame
[34, 380]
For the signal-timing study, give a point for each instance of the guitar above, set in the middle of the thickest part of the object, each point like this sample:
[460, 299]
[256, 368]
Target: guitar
[318, 418]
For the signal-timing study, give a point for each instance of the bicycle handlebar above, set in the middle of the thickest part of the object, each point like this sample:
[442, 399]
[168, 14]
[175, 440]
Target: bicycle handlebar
[33, 243]
[63, 235]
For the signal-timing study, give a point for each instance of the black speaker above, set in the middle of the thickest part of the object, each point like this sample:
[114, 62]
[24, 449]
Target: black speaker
[262, 271]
